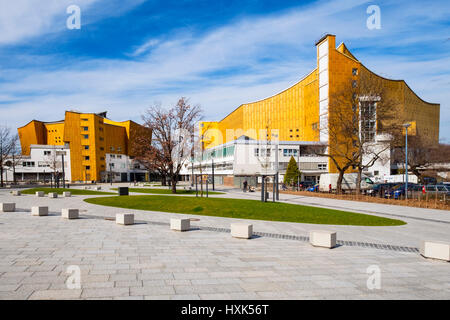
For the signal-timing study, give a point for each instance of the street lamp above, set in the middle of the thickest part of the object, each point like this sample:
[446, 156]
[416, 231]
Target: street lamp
[406, 126]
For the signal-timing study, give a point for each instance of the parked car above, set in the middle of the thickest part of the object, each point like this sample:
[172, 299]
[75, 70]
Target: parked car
[306, 184]
[314, 188]
[438, 188]
[399, 190]
[376, 188]
[429, 180]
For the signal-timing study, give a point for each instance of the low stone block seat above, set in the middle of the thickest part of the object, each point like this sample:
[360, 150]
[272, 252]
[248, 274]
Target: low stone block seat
[125, 218]
[241, 230]
[39, 211]
[322, 238]
[179, 224]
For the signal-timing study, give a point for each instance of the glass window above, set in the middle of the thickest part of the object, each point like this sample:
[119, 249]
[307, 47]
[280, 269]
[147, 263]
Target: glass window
[85, 128]
[355, 71]
[86, 147]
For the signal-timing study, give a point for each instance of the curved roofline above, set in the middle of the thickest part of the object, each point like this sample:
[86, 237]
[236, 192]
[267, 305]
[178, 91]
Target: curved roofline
[395, 80]
[272, 96]
[43, 122]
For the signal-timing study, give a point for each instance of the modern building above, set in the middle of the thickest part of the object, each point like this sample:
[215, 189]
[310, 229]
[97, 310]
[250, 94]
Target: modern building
[100, 149]
[43, 163]
[304, 114]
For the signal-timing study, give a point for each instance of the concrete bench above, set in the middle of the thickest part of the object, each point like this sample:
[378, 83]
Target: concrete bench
[52, 195]
[67, 194]
[7, 207]
[125, 218]
[241, 230]
[39, 211]
[70, 213]
[98, 188]
[16, 193]
[40, 194]
[180, 224]
[435, 250]
[321, 238]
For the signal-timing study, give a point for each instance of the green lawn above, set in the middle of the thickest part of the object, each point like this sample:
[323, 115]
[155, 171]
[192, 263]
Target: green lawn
[167, 191]
[244, 209]
[61, 190]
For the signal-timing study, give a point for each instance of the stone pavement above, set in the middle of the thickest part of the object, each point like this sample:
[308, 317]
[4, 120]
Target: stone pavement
[149, 261]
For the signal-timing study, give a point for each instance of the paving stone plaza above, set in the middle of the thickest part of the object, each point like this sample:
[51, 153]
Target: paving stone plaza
[147, 260]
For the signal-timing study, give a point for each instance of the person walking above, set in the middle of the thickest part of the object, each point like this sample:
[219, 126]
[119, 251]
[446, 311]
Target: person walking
[245, 185]
[329, 188]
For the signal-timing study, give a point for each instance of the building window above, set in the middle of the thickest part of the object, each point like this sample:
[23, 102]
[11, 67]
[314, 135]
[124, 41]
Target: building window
[100, 129]
[47, 153]
[290, 152]
[119, 149]
[376, 172]
[84, 119]
[119, 156]
[86, 147]
[368, 121]
[355, 71]
[101, 139]
[102, 149]
[256, 152]
[85, 128]
[86, 158]
[85, 136]
[28, 164]
[354, 83]
[314, 126]
[322, 166]
[88, 168]
[111, 148]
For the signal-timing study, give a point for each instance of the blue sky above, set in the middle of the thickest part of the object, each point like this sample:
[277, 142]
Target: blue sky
[130, 54]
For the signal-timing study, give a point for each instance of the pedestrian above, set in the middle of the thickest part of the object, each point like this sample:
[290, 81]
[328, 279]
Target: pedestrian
[245, 185]
[329, 188]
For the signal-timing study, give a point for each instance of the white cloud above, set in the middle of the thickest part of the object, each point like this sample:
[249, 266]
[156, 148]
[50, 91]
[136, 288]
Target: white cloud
[260, 56]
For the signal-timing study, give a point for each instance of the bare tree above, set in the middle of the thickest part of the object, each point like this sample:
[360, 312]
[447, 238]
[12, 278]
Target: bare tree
[171, 132]
[359, 111]
[53, 163]
[422, 156]
[8, 143]
[15, 159]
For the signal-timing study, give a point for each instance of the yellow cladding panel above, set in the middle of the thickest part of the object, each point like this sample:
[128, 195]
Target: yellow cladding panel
[32, 133]
[289, 116]
[55, 133]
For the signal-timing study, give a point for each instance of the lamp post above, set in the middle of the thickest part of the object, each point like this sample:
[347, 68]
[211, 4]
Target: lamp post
[406, 126]
[213, 184]
[63, 170]
[110, 173]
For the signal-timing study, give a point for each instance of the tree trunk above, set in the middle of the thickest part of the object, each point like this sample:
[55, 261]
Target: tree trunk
[418, 174]
[1, 175]
[358, 181]
[173, 184]
[339, 182]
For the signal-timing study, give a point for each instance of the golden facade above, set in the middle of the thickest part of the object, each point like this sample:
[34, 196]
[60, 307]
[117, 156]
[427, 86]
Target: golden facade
[300, 112]
[90, 137]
